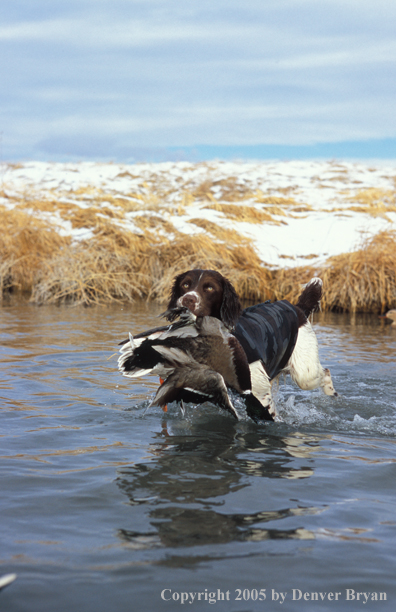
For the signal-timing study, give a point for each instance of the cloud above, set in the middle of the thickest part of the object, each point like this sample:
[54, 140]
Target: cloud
[125, 34]
[161, 73]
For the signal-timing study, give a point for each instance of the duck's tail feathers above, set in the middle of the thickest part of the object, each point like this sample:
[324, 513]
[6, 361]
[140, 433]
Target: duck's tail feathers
[126, 351]
[125, 360]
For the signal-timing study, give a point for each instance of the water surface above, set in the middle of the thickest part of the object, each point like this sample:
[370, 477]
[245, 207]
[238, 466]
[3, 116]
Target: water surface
[105, 505]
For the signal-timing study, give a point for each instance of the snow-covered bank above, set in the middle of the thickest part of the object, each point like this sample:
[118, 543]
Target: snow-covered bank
[290, 214]
[315, 209]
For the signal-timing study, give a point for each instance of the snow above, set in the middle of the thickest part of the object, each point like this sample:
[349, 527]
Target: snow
[296, 237]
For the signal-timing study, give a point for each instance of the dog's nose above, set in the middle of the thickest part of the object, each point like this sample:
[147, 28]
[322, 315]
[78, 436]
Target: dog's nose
[189, 301]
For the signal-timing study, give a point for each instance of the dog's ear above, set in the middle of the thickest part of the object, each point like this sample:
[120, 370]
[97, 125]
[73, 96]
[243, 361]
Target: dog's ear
[175, 291]
[231, 308]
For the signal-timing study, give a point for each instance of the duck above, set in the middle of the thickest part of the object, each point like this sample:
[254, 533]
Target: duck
[198, 359]
[391, 314]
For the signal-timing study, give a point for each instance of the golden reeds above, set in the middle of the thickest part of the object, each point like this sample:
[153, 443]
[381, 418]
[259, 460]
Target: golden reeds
[124, 266]
[229, 189]
[361, 281]
[279, 201]
[364, 280]
[242, 212]
[120, 264]
[221, 233]
[374, 202]
[25, 244]
[116, 264]
[239, 263]
[87, 274]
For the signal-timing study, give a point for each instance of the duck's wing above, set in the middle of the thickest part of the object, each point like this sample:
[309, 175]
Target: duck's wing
[138, 358]
[196, 384]
[186, 322]
[158, 350]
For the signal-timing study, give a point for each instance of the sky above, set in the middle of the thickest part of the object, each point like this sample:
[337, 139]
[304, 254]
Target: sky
[154, 80]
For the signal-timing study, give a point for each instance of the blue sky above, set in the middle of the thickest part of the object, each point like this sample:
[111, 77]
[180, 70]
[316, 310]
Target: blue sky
[133, 80]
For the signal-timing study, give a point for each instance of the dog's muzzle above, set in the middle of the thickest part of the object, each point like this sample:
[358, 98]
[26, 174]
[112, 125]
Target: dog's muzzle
[190, 301]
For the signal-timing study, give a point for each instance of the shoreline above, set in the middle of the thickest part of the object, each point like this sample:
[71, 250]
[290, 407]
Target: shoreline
[91, 233]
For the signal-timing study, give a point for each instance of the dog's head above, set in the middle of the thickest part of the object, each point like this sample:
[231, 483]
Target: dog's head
[206, 293]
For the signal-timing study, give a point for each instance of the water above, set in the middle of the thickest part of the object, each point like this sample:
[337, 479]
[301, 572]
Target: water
[105, 506]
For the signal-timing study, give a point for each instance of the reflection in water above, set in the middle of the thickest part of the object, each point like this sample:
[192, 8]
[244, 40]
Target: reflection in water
[230, 501]
[192, 476]
[360, 337]
[177, 527]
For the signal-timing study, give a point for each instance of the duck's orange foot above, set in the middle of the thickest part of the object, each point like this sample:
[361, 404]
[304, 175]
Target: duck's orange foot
[164, 408]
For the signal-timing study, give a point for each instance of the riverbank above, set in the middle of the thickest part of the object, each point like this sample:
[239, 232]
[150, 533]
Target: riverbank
[91, 232]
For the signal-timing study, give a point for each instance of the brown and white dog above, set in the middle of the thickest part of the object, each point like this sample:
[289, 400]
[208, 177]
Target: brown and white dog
[206, 293]
[277, 337]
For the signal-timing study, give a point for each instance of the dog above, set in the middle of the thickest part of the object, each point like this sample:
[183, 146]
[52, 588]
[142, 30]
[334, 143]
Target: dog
[276, 337]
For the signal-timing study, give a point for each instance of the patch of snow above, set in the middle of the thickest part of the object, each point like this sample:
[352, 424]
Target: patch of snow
[323, 186]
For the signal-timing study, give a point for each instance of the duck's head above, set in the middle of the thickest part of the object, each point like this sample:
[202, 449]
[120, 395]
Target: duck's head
[391, 315]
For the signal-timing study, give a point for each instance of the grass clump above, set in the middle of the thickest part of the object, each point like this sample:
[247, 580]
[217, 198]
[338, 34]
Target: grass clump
[242, 212]
[238, 262]
[93, 272]
[26, 243]
[361, 281]
[364, 280]
[229, 189]
[374, 202]
[119, 265]
[221, 233]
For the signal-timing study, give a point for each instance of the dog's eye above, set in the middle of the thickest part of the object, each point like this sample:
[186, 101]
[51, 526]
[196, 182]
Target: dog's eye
[186, 285]
[209, 288]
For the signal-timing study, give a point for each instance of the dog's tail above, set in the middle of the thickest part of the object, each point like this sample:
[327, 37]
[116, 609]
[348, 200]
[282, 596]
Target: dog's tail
[309, 300]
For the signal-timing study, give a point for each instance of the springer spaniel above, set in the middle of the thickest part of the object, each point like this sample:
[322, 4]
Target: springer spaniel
[276, 337]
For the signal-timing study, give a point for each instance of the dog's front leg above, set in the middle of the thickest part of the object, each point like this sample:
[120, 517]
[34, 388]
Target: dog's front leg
[262, 386]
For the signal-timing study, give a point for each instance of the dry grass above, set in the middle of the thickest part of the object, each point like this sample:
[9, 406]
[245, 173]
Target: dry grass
[286, 283]
[238, 262]
[229, 189]
[277, 205]
[117, 264]
[221, 233]
[260, 197]
[365, 280]
[375, 196]
[242, 212]
[25, 244]
[87, 274]
[361, 281]
[151, 222]
[374, 202]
